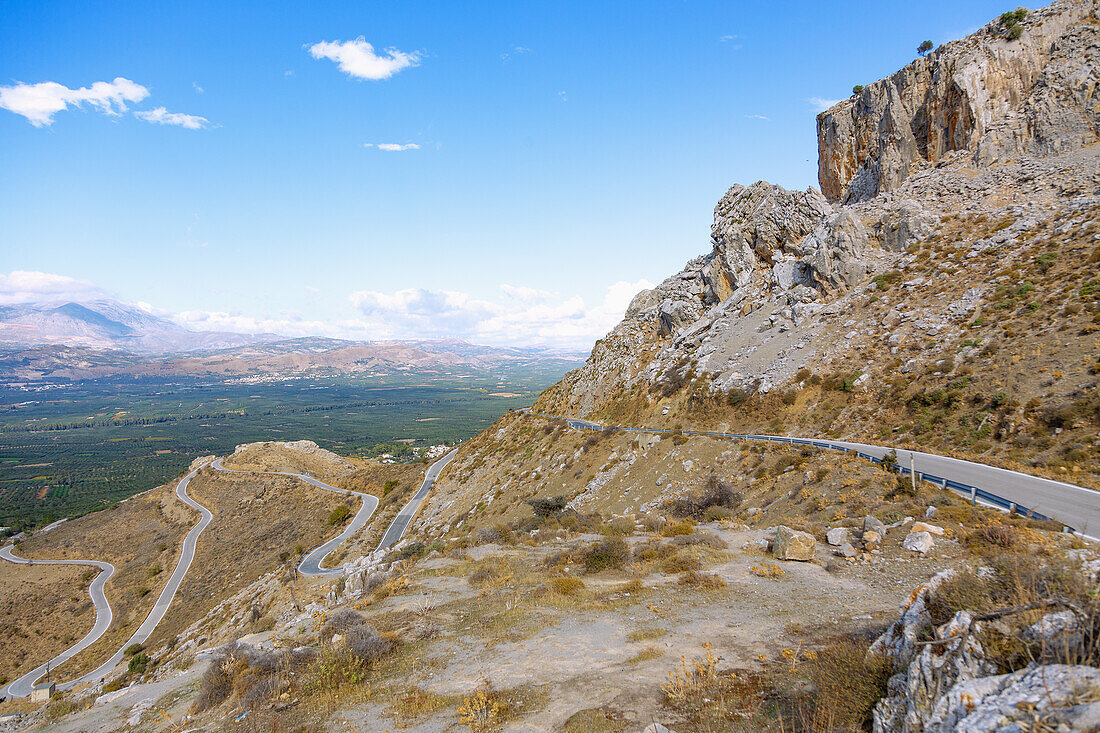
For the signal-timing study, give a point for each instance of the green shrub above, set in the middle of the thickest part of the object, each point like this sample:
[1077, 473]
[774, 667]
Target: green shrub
[413, 549]
[339, 515]
[133, 649]
[546, 508]
[608, 554]
[138, 663]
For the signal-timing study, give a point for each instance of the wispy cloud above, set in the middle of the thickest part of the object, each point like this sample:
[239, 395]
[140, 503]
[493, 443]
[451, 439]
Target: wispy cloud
[514, 51]
[563, 96]
[758, 117]
[821, 104]
[731, 39]
[32, 286]
[392, 147]
[357, 58]
[525, 316]
[161, 116]
[197, 88]
[40, 102]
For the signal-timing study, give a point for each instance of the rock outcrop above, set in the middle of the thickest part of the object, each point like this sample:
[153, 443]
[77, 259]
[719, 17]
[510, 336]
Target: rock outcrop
[989, 94]
[951, 686]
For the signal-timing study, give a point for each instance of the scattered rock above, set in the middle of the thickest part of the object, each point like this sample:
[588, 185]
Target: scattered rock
[918, 542]
[925, 527]
[790, 544]
[870, 523]
[837, 536]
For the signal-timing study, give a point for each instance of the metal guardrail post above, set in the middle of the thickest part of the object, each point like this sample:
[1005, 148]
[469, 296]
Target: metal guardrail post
[973, 493]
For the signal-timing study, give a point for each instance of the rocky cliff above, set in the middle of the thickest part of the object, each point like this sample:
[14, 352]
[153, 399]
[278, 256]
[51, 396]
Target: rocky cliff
[988, 139]
[998, 94]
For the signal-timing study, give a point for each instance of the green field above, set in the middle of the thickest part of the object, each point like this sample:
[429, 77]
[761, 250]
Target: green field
[78, 448]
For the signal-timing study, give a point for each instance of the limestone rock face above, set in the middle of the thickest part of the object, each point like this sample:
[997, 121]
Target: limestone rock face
[759, 221]
[1012, 701]
[790, 544]
[988, 95]
[951, 686]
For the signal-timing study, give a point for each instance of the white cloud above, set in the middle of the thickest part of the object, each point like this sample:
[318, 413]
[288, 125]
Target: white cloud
[730, 38]
[357, 58]
[198, 89]
[392, 147]
[820, 104]
[31, 286]
[526, 294]
[161, 116]
[289, 324]
[563, 96]
[40, 102]
[514, 51]
[526, 316]
[758, 117]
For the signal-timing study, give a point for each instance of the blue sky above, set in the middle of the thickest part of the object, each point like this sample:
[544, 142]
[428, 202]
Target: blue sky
[567, 153]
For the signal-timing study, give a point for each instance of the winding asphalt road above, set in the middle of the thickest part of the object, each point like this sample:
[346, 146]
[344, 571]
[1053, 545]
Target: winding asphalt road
[310, 565]
[103, 617]
[1074, 506]
[400, 523]
[23, 686]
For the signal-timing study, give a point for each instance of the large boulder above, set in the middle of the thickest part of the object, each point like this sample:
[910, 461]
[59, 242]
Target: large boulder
[790, 544]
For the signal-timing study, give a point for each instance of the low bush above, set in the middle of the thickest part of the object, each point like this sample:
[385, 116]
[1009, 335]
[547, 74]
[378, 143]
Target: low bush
[237, 668]
[339, 515]
[608, 554]
[546, 508]
[138, 664]
[413, 550]
[680, 562]
[566, 586]
[716, 494]
[677, 528]
[847, 683]
[368, 644]
[340, 622]
[706, 581]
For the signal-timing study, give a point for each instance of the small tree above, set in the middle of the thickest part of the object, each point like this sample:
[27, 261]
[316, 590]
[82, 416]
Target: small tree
[1010, 21]
[924, 48]
[858, 88]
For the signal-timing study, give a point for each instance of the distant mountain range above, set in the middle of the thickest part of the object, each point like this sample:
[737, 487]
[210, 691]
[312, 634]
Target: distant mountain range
[107, 324]
[104, 338]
